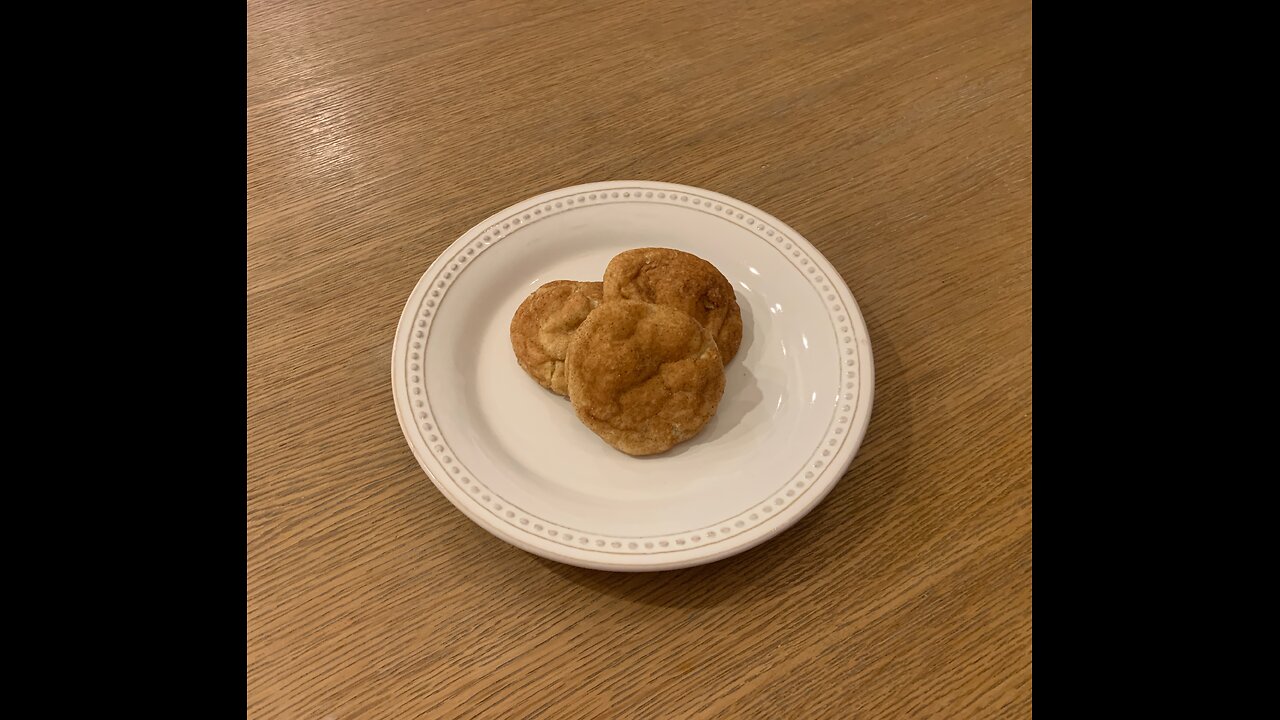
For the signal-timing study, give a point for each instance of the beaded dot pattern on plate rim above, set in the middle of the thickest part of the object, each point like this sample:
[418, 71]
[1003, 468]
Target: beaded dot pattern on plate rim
[788, 493]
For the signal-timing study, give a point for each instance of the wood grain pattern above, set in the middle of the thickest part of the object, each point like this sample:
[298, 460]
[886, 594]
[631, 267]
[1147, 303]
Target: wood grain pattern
[895, 135]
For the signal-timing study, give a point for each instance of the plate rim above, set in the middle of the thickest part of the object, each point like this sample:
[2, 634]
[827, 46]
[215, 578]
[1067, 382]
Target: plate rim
[667, 559]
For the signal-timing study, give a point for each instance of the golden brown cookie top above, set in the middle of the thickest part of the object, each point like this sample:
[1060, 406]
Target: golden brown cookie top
[543, 325]
[682, 281]
[644, 377]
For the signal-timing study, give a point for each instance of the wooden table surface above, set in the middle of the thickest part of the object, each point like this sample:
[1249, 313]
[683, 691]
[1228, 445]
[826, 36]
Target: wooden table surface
[894, 135]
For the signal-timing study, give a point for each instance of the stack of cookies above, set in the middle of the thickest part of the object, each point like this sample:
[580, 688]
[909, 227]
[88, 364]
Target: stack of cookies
[641, 356]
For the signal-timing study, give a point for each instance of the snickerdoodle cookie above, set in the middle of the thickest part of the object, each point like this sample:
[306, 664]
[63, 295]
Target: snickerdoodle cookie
[545, 322]
[682, 281]
[643, 377]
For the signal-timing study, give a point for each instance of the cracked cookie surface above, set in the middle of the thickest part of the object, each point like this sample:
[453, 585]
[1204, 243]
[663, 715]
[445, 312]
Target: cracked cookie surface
[545, 322]
[644, 377]
[682, 281]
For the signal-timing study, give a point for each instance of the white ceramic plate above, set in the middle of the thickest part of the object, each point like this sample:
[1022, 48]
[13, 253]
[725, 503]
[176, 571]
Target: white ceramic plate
[515, 459]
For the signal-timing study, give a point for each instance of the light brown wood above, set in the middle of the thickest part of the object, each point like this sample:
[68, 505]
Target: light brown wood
[896, 136]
